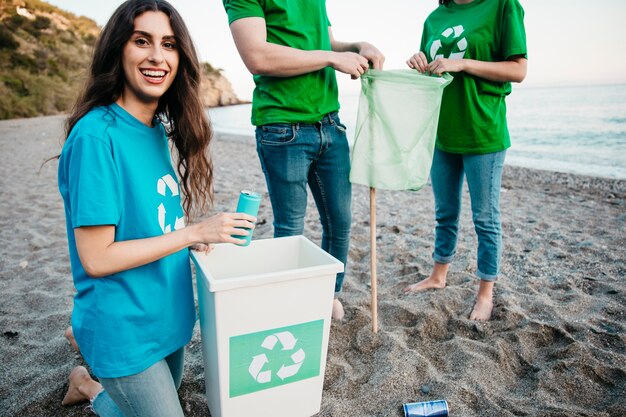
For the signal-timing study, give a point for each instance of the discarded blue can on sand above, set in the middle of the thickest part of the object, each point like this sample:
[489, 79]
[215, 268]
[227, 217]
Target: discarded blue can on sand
[437, 408]
[249, 203]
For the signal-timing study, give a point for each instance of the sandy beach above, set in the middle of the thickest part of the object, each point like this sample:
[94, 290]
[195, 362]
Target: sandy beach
[556, 345]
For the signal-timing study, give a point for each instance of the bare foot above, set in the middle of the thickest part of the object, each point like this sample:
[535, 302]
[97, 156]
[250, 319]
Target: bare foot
[69, 335]
[436, 280]
[82, 387]
[425, 284]
[482, 309]
[338, 312]
[484, 302]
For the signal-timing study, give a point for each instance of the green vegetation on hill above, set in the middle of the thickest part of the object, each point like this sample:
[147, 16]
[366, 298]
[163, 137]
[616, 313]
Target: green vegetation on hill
[44, 56]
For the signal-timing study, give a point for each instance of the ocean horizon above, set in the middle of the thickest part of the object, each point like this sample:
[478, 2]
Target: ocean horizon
[574, 129]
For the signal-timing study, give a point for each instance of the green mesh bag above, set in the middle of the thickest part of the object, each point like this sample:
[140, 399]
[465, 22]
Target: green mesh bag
[396, 129]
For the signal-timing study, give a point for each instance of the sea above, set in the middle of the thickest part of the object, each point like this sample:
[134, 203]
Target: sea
[578, 130]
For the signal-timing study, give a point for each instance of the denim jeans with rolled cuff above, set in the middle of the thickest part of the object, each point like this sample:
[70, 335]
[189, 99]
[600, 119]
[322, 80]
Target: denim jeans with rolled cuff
[293, 155]
[484, 178]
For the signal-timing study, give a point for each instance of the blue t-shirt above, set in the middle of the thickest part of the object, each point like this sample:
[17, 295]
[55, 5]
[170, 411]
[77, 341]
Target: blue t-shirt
[114, 170]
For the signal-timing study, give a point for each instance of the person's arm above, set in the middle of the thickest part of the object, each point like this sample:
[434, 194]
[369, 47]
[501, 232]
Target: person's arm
[101, 255]
[264, 58]
[512, 70]
[365, 49]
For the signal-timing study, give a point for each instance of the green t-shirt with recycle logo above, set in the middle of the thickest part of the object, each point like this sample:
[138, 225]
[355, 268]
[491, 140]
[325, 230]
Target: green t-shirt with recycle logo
[298, 24]
[473, 109]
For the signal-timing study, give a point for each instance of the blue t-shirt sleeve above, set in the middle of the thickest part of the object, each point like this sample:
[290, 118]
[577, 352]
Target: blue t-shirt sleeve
[93, 183]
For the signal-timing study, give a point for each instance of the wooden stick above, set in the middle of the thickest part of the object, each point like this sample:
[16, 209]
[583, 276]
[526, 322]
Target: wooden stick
[374, 305]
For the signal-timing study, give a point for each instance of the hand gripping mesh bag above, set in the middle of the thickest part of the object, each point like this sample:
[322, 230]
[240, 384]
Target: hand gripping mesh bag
[396, 128]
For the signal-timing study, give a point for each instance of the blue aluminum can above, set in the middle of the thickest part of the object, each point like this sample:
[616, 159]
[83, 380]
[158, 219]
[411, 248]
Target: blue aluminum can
[249, 203]
[437, 408]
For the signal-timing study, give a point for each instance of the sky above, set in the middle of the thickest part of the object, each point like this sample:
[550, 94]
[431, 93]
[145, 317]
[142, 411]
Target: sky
[570, 42]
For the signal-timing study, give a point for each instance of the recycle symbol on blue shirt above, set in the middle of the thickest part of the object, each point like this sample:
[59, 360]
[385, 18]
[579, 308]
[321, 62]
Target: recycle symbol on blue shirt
[167, 182]
[287, 341]
[460, 45]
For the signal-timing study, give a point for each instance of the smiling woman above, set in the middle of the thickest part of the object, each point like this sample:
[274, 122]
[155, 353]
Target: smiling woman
[134, 308]
[150, 61]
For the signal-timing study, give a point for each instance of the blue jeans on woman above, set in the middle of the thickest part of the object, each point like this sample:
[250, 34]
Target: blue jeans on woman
[153, 392]
[293, 155]
[484, 177]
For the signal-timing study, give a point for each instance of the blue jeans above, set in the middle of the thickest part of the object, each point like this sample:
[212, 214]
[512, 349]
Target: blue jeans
[153, 392]
[484, 177]
[293, 155]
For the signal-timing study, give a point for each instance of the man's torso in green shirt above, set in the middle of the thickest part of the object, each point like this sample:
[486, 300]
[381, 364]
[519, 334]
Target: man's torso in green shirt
[301, 24]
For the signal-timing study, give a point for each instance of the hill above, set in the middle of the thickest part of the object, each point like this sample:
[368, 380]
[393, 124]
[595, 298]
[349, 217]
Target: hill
[44, 58]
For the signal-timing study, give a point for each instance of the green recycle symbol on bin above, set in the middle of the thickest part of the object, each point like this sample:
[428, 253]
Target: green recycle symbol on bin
[461, 44]
[281, 340]
[274, 357]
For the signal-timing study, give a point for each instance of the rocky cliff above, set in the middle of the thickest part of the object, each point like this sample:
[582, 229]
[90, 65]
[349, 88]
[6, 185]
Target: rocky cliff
[216, 90]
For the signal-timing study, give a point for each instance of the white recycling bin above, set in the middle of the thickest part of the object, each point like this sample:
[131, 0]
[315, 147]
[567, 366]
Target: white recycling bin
[265, 313]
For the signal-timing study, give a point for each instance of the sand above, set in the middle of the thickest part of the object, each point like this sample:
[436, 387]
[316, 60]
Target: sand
[556, 345]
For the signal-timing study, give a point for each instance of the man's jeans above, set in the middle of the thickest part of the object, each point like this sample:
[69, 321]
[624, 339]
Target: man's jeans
[153, 392]
[484, 175]
[293, 155]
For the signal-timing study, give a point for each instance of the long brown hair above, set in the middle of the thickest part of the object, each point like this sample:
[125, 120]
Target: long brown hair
[180, 107]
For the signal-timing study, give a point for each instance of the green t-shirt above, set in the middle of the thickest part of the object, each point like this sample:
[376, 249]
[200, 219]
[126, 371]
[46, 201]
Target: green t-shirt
[473, 109]
[298, 24]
